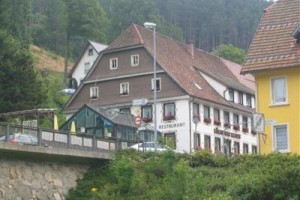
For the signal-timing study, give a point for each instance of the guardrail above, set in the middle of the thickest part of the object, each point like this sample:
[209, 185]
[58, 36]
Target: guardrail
[67, 140]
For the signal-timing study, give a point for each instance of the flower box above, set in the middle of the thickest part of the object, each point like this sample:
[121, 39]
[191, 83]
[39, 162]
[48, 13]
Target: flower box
[236, 127]
[253, 132]
[226, 125]
[207, 120]
[218, 123]
[245, 130]
[168, 117]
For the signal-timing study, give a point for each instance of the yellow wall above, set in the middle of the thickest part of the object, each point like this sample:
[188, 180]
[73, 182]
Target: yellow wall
[284, 114]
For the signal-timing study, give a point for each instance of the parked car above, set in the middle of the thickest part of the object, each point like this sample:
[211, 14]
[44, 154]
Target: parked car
[22, 138]
[150, 146]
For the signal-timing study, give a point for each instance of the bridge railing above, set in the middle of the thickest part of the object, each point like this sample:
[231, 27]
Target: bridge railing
[60, 139]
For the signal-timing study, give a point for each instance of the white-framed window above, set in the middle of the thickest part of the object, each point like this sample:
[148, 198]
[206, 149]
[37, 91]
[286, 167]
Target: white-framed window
[236, 147]
[241, 98]
[248, 100]
[113, 63]
[135, 60]
[281, 138]
[94, 92]
[124, 88]
[86, 67]
[147, 113]
[196, 111]
[245, 148]
[169, 111]
[231, 95]
[279, 90]
[91, 51]
[158, 84]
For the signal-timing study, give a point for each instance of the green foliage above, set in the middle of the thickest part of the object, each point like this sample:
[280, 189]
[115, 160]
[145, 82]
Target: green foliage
[134, 175]
[20, 87]
[230, 52]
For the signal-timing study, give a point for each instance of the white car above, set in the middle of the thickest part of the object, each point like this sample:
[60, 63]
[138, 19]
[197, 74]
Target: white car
[150, 146]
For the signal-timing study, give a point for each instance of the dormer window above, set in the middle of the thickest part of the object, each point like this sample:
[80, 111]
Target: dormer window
[135, 60]
[90, 52]
[113, 63]
[231, 95]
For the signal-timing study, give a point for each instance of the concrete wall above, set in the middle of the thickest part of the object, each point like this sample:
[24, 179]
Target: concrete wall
[43, 180]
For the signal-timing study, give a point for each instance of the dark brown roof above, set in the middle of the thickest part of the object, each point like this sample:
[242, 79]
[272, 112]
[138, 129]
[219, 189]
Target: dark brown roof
[273, 45]
[176, 59]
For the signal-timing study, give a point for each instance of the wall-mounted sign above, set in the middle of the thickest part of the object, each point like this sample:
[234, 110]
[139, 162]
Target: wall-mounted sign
[172, 125]
[140, 102]
[227, 133]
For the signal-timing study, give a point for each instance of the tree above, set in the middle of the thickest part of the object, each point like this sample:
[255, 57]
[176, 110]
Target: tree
[86, 20]
[19, 86]
[229, 52]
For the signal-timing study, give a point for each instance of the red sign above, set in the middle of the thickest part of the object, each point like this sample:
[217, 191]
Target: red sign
[137, 120]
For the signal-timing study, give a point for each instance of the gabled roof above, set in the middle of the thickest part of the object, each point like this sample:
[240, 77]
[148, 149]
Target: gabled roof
[98, 48]
[177, 60]
[115, 117]
[273, 46]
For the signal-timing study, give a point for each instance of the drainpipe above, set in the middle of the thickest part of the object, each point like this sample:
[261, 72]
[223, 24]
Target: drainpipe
[190, 124]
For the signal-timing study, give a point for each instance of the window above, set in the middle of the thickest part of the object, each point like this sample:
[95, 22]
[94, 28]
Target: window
[236, 122]
[245, 148]
[135, 60]
[147, 113]
[217, 117]
[281, 138]
[170, 139]
[227, 147]
[236, 148]
[254, 149]
[195, 109]
[124, 88]
[207, 114]
[207, 142]
[217, 145]
[197, 141]
[94, 92]
[245, 124]
[231, 95]
[158, 80]
[279, 92]
[226, 119]
[248, 100]
[241, 98]
[113, 63]
[91, 52]
[86, 67]
[125, 110]
[169, 111]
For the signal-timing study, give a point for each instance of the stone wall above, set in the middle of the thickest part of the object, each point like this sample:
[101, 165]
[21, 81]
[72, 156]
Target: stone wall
[34, 180]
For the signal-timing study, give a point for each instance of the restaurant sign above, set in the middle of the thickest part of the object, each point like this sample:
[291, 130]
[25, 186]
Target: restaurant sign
[173, 125]
[227, 133]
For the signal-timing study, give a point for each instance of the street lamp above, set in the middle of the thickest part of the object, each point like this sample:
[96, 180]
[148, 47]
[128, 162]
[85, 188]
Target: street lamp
[151, 25]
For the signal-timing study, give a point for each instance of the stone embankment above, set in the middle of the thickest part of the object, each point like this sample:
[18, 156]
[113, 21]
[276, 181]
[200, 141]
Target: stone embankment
[27, 180]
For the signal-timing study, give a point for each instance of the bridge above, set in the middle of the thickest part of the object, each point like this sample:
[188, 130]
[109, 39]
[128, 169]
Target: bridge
[59, 143]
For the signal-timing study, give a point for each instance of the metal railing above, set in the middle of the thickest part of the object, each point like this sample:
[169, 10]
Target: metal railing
[60, 139]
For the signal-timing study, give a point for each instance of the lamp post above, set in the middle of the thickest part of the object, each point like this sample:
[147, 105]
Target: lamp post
[151, 25]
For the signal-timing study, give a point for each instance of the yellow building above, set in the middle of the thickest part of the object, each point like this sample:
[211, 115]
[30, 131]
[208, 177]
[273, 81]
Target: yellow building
[274, 59]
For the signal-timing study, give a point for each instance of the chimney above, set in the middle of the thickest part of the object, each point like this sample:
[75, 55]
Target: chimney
[190, 48]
